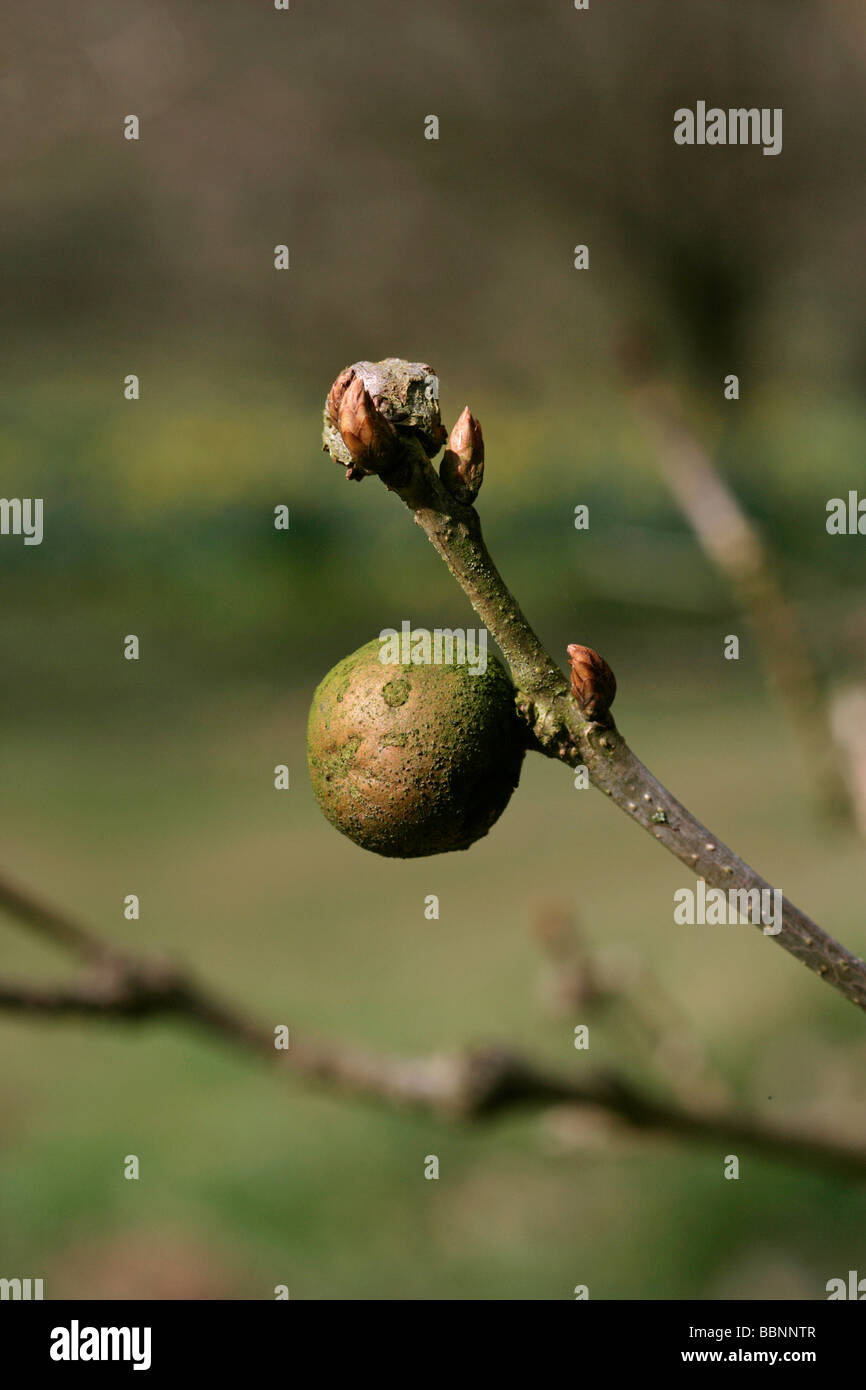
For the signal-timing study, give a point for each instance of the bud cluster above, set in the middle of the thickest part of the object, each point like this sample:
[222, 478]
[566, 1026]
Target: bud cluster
[374, 408]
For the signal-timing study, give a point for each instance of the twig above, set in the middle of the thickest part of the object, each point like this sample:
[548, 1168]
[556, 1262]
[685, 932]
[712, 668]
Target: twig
[55, 925]
[474, 1084]
[848, 722]
[554, 722]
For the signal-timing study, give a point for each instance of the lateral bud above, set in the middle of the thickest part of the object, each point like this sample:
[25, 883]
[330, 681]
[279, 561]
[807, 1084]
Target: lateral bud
[462, 467]
[593, 683]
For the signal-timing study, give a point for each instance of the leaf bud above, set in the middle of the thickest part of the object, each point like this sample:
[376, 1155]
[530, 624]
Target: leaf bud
[593, 683]
[462, 467]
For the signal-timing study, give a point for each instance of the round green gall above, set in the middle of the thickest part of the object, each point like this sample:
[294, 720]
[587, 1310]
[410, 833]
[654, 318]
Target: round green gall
[409, 760]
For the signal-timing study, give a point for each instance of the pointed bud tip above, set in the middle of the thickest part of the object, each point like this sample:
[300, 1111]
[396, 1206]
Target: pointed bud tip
[336, 393]
[466, 439]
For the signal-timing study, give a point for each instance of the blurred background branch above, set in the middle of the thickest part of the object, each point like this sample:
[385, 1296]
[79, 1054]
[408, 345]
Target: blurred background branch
[848, 723]
[471, 1084]
[735, 545]
[618, 982]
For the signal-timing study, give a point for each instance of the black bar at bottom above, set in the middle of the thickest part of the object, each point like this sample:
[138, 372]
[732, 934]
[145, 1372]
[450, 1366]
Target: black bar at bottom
[150, 1339]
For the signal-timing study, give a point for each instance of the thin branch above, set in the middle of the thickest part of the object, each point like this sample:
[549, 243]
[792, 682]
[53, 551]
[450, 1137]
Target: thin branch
[557, 728]
[474, 1084]
[616, 981]
[737, 548]
[48, 921]
[848, 722]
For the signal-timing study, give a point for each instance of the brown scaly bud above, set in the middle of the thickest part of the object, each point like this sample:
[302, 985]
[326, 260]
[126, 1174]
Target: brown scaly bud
[462, 467]
[370, 439]
[593, 683]
[336, 393]
[332, 411]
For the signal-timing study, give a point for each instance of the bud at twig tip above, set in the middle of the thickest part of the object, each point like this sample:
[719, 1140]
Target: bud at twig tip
[374, 409]
[368, 436]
